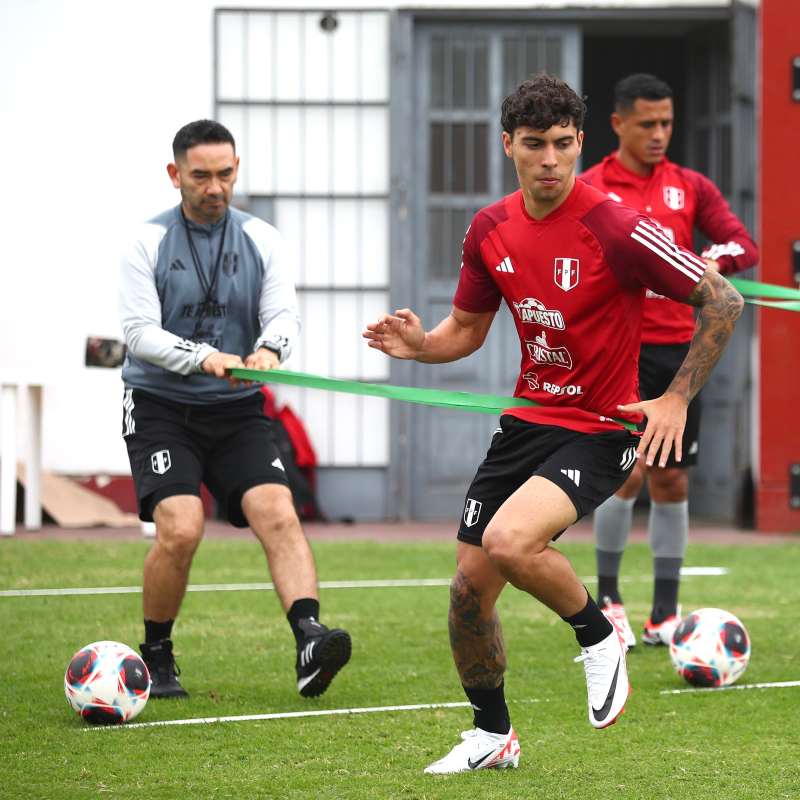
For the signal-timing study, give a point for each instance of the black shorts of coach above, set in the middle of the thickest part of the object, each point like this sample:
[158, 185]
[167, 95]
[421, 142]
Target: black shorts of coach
[173, 447]
[589, 467]
[658, 364]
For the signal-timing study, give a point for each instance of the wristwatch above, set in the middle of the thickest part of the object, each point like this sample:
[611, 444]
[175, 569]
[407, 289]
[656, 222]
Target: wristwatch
[276, 344]
[272, 349]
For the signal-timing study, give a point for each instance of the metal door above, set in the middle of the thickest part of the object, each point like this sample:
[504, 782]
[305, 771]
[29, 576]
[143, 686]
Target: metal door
[721, 145]
[462, 74]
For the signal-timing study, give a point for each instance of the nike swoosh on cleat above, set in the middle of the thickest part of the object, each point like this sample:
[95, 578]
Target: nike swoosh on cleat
[475, 764]
[303, 682]
[601, 713]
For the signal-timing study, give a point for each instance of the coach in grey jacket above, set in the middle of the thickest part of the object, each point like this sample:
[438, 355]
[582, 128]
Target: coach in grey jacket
[205, 288]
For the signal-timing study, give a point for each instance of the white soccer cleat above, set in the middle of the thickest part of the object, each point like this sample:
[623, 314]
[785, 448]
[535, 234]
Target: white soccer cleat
[606, 679]
[615, 614]
[662, 632]
[479, 749]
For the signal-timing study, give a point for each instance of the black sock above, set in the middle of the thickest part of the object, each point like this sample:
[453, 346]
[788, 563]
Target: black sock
[491, 711]
[608, 587]
[665, 599]
[301, 609]
[156, 631]
[590, 625]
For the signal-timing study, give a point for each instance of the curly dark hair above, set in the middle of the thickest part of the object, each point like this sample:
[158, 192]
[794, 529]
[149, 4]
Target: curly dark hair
[541, 102]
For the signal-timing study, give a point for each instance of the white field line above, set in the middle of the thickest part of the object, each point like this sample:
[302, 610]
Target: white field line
[739, 688]
[231, 587]
[689, 572]
[293, 714]
[388, 709]
[383, 709]
[280, 715]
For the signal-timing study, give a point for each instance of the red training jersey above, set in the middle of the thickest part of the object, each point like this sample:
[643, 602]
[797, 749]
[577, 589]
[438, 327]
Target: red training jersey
[575, 285]
[679, 200]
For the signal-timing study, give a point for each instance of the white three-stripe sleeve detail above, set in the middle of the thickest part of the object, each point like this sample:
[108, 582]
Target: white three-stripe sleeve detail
[681, 255]
[659, 252]
[684, 255]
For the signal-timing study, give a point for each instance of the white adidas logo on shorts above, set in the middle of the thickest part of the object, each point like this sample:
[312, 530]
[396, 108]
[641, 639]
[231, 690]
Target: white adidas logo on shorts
[628, 459]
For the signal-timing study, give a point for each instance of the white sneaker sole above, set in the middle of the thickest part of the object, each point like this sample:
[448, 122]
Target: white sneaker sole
[506, 763]
[501, 757]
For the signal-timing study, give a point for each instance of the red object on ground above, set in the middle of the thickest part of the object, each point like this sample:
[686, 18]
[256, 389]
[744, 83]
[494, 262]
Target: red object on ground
[120, 490]
[304, 454]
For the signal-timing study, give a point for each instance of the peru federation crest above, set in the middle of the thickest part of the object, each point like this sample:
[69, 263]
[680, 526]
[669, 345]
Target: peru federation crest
[160, 461]
[566, 273]
[472, 510]
[674, 198]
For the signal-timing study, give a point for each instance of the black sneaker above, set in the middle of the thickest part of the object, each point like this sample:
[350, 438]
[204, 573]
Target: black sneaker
[320, 656]
[163, 669]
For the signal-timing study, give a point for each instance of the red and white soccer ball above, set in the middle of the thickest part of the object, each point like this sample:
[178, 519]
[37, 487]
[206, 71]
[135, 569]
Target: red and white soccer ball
[107, 683]
[710, 647]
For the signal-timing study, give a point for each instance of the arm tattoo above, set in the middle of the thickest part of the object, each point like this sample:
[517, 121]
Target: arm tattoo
[476, 641]
[720, 306]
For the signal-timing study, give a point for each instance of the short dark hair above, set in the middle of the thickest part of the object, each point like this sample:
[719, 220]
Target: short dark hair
[640, 85]
[201, 131]
[541, 102]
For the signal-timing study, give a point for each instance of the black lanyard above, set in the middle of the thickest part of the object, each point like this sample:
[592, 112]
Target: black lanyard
[207, 286]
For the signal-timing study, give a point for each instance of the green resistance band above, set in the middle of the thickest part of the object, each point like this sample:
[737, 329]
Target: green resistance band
[778, 297]
[465, 401]
[782, 297]
[785, 305]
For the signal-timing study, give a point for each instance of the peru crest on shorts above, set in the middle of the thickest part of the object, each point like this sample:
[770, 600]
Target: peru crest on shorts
[674, 198]
[566, 273]
[160, 462]
[472, 510]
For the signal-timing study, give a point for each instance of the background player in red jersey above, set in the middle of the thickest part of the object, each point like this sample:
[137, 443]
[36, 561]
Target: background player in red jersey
[639, 175]
[572, 267]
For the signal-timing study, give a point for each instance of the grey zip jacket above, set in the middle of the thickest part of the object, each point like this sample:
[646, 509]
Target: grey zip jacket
[172, 320]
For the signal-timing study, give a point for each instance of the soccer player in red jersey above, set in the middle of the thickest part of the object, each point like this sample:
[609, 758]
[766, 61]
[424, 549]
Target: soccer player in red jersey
[572, 267]
[678, 200]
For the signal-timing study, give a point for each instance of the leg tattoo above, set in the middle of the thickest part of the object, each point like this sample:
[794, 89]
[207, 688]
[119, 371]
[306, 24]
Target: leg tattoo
[476, 641]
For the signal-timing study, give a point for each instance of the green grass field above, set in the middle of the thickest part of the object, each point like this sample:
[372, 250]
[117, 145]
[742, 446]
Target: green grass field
[237, 657]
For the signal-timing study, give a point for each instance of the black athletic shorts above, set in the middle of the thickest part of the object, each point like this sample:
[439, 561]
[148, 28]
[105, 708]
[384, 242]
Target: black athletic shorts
[658, 364]
[173, 447]
[589, 467]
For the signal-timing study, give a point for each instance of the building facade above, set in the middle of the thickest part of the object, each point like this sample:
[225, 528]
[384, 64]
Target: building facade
[369, 135]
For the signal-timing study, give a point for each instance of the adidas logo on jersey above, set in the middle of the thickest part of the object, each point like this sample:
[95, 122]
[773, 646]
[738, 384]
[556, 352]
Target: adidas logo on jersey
[573, 474]
[504, 266]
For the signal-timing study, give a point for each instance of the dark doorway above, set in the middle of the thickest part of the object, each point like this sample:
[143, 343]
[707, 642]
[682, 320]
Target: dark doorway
[606, 59]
